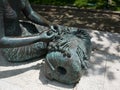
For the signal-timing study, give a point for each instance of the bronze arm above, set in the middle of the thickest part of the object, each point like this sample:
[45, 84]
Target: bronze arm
[10, 42]
[33, 16]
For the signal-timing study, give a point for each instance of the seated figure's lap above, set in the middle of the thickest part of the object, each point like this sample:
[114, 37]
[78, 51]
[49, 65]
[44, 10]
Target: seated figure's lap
[25, 52]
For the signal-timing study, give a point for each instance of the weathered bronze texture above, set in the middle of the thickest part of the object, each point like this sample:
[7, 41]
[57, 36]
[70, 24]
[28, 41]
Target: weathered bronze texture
[66, 50]
[68, 55]
[21, 42]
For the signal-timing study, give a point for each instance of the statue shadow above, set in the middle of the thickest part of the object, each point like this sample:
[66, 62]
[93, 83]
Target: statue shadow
[14, 72]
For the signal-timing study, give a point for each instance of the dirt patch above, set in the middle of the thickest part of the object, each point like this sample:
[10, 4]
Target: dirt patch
[81, 18]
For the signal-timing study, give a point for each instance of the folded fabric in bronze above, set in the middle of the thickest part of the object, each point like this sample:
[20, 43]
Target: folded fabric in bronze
[68, 56]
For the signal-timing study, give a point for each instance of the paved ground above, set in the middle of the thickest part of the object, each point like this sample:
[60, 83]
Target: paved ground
[103, 73]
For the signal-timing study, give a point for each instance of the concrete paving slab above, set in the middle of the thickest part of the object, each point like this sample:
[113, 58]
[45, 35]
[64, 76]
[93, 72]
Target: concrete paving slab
[94, 78]
[112, 76]
[105, 41]
[105, 61]
[7, 86]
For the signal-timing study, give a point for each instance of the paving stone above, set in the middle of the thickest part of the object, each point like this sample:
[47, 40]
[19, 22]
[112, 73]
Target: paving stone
[106, 50]
[8, 86]
[94, 78]
[112, 76]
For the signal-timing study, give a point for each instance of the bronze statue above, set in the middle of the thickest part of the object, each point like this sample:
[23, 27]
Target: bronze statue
[68, 55]
[66, 50]
[18, 44]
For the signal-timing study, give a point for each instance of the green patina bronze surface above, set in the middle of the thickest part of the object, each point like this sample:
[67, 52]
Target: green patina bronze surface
[66, 49]
[21, 42]
[68, 56]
